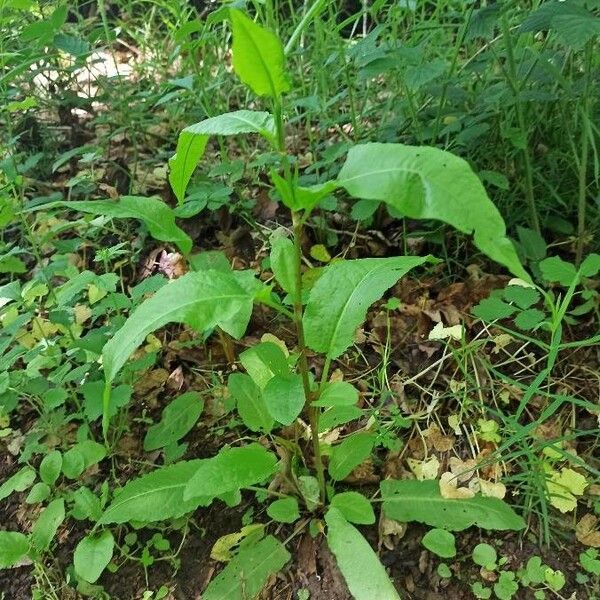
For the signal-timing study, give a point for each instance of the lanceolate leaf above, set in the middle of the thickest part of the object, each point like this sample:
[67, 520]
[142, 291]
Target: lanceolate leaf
[362, 570]
[154, 213]
[177, 419]
[231, 470]
[338, 302]
[250, 402]
[45, 528]
[246, 574]
[350, 453]
[428, 183]
[92, 555]
[283, 263]
[193, 139]
[258, 58]
[201, 300]
[156, 496]
[421, 501]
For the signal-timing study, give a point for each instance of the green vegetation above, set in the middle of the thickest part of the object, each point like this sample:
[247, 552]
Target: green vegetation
[292, 290]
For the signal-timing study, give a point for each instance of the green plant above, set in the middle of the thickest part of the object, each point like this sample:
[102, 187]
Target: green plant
[278, 388]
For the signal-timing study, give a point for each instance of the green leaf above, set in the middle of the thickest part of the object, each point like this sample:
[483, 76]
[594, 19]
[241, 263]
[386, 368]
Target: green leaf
[246, 574]
[529, 319]
[258, 58]
[14, 546]
[421, 501]
[19, 482]
[192, 141]
[201, 300]
[428, 183]
[250, 402]
[283, 263]
[485, 556]
[73, 463]
[338, 302]
[38, 493]
[440, 542]
[176, 420]
[284, 397]
[490, 309]
[297, 197]
[555, 269]
[349, 454]
[354, 507]
[92, 555]
[284, 510]
[231, 470]
[156, 496]
[309, 488]
[360, 566]
[523, 297]
[337, 393]
[576, 30]
[590, 265]
[153, 212]
[47, 525]
[263, 362]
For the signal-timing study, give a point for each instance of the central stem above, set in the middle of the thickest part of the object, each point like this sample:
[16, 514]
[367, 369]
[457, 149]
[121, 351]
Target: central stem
[313, 412]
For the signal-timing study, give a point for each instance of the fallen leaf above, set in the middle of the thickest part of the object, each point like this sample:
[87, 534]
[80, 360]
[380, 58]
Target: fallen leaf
[587, 532]
[449, 487]
[492, 489]
[424, 469]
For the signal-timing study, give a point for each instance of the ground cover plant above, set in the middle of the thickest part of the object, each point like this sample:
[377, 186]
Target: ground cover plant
[265, 329]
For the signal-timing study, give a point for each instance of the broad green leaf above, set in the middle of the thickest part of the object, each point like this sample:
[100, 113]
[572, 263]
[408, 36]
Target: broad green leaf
[590, 265]
[14, 546]
[92, 554]
[201, 300]
[485, 556]
[350, 453]
[338, 302]
[354, 507]
[153, 212]
[440, 542]
[258, 58]
[360, 566]
[246, 574]
[337, 393]
[38, 493]
[555, 269]
[156, 496]
[428, 183]
[45, 528]
[19, 482]
[490, 309]
[176, 420]
[284, 510]
[421, 501]
[73, 463]
[283, 263]
[231, 470]
[250, 402]
[284, 397]
[263, 362]
[192, 141]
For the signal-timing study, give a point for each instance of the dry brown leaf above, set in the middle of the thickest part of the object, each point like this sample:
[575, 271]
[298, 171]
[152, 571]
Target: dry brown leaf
[440, 441]
[462, 469]
[449, 488]
[587, 532]
[492, 489]
[424, 469]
